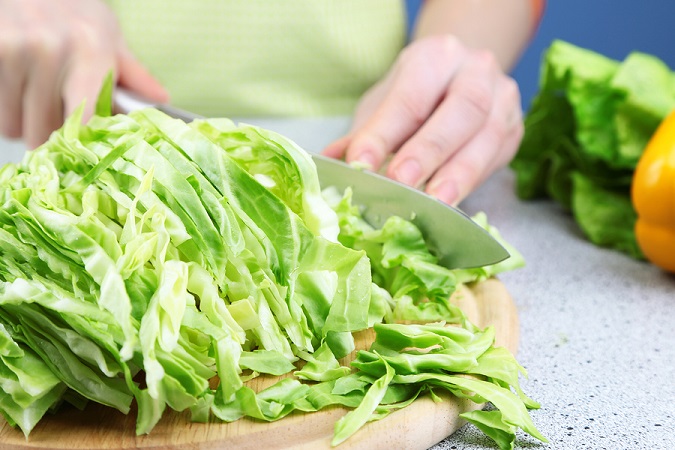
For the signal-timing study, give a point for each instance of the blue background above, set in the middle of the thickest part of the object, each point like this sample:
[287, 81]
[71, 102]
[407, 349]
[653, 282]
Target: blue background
[611, 27]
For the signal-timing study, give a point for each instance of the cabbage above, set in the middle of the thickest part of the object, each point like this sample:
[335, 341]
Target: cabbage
[143, 257]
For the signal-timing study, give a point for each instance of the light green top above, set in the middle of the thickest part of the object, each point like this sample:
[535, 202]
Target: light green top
[265, 57]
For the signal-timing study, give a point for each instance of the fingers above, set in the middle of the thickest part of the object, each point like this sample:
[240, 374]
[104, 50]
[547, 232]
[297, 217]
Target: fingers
[490, 149]
[53, 57]
[446, 115]
[88, 70]
[12, 70]
[82, 84]
[91, 56]
[461, 114]
[410, 95]
[135, 77]
[338, 148]
[42, 110]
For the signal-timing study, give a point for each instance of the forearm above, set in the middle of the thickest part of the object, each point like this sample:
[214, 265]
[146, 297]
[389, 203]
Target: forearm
[504, 27]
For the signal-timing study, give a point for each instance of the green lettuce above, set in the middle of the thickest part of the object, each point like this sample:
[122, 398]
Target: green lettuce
[585, 132]
[152, 261]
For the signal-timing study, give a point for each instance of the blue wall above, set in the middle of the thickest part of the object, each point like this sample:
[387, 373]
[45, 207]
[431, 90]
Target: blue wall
[611, 27]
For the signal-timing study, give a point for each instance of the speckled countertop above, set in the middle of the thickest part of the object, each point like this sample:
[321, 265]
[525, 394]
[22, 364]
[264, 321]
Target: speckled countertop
[597, 328]
[597, 331]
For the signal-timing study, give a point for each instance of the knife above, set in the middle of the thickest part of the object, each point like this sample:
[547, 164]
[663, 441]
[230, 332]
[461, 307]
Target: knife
[453, 237]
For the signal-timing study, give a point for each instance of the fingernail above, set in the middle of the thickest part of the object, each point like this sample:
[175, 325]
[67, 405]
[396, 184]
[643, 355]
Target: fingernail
[408, 172]
[446, 191]
[365, 160]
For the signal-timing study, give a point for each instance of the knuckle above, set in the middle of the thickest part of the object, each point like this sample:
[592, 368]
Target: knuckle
[486, 60]
[42, 44]
[11, 44]
[446, 46]
[432, 50]
[499, 129]
[412, 106]
[504, 127]
[504, 135]
[475, 98]
[83, 33]
[512, 120]
[435, 147]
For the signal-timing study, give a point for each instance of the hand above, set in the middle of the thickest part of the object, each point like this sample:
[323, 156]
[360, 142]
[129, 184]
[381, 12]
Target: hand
[448, 115]
[53, 56]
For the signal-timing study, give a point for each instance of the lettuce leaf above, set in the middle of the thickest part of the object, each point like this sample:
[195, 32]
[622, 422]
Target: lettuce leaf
[585, 132]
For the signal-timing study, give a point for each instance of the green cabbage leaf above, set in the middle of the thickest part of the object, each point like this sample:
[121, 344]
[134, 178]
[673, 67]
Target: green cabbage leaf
[152, 261]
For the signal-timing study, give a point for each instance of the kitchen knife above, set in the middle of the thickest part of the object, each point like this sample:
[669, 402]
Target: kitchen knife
[453, 237]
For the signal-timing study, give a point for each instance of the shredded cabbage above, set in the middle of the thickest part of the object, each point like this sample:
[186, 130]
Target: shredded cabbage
[142, 257]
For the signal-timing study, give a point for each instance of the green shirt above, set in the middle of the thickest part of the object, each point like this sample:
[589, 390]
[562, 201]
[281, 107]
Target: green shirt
[265, 57]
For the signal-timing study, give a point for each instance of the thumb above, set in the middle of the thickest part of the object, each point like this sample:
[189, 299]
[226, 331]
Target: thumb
[135, 77]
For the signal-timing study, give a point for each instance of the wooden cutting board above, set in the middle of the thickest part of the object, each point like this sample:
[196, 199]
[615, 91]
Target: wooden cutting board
[418, 426]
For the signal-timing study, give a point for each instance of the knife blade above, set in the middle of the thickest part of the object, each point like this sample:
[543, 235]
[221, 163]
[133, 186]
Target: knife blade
[453, 237]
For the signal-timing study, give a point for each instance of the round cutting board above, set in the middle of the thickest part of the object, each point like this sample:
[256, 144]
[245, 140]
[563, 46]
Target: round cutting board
[418, 426]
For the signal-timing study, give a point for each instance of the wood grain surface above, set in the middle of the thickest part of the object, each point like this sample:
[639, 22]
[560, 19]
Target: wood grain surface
[418, 426]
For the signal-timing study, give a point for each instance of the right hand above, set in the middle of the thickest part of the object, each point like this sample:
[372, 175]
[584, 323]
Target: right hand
[447, 115]
[53, 56]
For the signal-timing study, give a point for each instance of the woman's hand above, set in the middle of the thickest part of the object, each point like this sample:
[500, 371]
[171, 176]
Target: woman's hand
[53, 56]
[447, 114]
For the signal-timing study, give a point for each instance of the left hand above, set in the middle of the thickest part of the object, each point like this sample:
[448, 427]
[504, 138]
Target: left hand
[448, 115]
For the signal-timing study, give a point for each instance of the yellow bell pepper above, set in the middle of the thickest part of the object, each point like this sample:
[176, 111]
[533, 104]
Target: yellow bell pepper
[653, 196]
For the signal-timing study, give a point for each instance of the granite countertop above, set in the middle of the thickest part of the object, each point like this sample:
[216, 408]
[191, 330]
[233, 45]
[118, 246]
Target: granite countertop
[596, 327]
